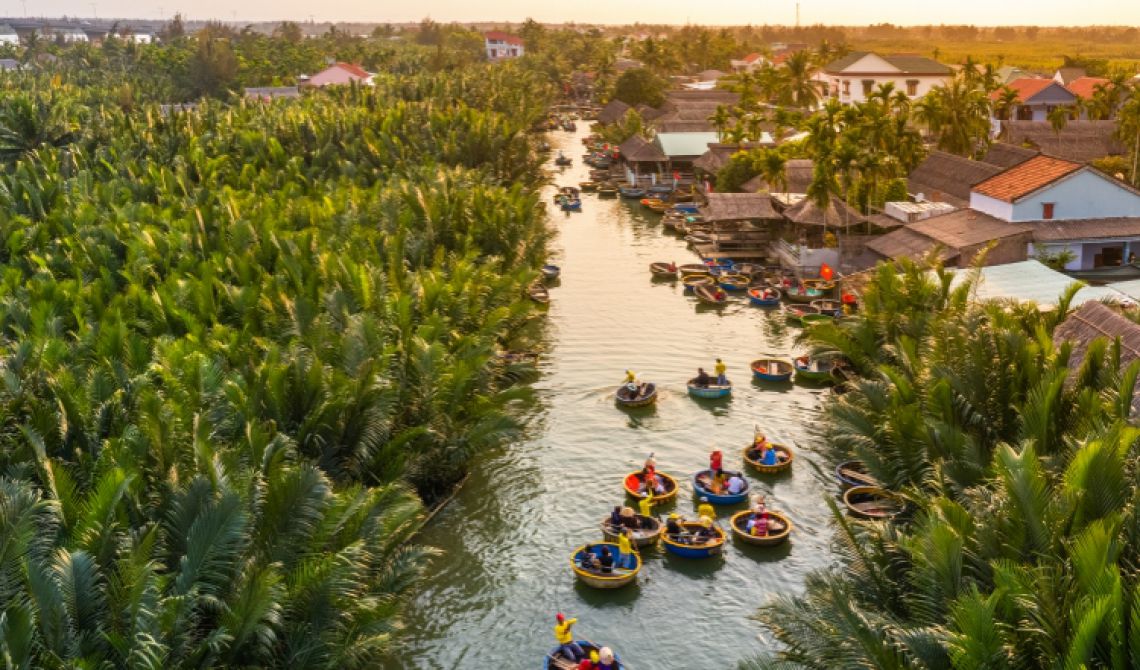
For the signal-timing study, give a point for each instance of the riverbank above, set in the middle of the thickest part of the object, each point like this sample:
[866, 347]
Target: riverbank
[506, 538]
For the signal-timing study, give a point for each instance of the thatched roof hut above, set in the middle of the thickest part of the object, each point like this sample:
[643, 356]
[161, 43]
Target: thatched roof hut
[1092, 321]
[1080, 141]
[797, 172]
[613, 112]
[739, 207]
[639, 150]
[837, 214]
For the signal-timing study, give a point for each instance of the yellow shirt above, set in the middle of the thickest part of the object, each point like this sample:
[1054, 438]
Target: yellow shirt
[630, 377]
[562, 631]
[645, 506]
[706, 509]
[623, 544]
[721, 368]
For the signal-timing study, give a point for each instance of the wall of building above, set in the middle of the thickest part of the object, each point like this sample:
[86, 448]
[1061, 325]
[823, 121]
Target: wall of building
[855, 81]
[1084, 195]
[999, 209]
[1009, 250]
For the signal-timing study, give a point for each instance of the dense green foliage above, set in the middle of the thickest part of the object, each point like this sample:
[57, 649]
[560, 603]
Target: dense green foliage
[639, 86]
[1021, 544]
[230, 335]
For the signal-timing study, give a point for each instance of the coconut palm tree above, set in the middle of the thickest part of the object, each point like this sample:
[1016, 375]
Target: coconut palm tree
[801, 89]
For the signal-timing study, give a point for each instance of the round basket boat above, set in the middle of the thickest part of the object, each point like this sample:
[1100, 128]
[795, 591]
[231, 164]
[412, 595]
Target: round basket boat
[733, 282]
[603, 580]
[551, 271]
[772, 370]
[872, 502]
[710, 295]
[779, 528]
[854, 473]
[556, 661]
[634, 481]
[709, 392]
[784, 458]
[796, 313]
[663, 270]
[694, 269]
[691, 282]
[646, 534]
[827, 306]
[764, 297]
[646, 394]
[808, 319]
[819, 284]
[726, 498]
[706, 549]
[814, 370]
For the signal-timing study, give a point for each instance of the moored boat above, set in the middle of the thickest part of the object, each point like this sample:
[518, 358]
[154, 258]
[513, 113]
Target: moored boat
[695, 541]
[694, 269]
[703, 487]
[813, 370]
[872, 502]
[556, 661]
[635, 481]
[733, 282]
[827, 306]
[691, 282]
[551, 271]
[539, 294]
[808, 319]
[616, 578]
[588, 186]
[644, 394]
[854, 473]
[563, 160]
[823, 285]
[764, 297]
[779, 528]
[710, 295]
[709, 391]
[802, 295]
[772, 369]
[784, 457]
[631, 192]
[796, 313]
[663, 270]
[571, 205]
[647, 533]
[607, 190]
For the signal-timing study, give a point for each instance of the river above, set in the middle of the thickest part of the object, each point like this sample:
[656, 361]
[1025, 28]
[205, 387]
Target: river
[489, 600]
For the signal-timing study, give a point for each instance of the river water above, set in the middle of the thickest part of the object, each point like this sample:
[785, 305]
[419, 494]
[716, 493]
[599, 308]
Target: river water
[489, 600]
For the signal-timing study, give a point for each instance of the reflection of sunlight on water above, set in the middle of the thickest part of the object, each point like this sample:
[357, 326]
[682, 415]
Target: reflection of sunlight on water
[507, 537]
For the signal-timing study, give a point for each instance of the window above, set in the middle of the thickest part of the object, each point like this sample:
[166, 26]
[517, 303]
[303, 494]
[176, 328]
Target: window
[846, 88]
[912, 87]
[825, 91]
[1047, 210]
[868, 86]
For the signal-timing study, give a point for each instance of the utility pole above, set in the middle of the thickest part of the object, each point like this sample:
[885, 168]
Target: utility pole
[797, 15]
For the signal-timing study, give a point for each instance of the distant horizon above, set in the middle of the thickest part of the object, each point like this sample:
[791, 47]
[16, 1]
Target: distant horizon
[714, 13]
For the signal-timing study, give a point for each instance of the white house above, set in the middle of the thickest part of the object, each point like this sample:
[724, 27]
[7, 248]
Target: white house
[749, 63]
[340, 74]
[500, 45]
[1069, 206]
[65, 33]
[854, 77]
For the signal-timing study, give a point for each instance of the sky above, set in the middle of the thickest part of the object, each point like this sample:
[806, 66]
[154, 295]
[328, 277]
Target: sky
[707, 12]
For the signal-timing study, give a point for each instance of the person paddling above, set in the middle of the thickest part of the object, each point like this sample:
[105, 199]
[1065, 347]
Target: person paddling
[721, 373]
[562, 633]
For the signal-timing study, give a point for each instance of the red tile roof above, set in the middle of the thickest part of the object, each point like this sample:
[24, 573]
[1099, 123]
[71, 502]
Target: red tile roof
[1021, 180]
[1026, 88]
[354, 70]
[503, 37]
[751, 58]
[1085, 86]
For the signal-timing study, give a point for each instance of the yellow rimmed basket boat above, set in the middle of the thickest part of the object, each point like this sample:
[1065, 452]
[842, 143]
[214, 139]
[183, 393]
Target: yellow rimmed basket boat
[706, 549]
[647, 533]
[634, 480]
[779, 528]
[620, 576]
[784, 458]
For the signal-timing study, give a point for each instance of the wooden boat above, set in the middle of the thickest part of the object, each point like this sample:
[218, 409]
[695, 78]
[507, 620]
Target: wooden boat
[599, 580]
[764, 297]
[733, 282]
[713, 547]
[772, 370]
[818, 284]
[802, 295]
[571, 205]
[710, 391]
[685, 208]
[659, 207]
[646, 394]
[607, 190]
[631, 192]
[646, 534]
[710, 295]
[588, 186]
[634, 481]
[784, 458]
[808, 319]
[556, 661]
[661, 188]
[539, 294]
[694, 269]
[663, 270]
[647, 202]
[872, 502]
[563, 160]
[779, 528]
[813, 369]
[691, 282]
[854, 473]
[827, 306]
[551, 271]
[796, 313]
[702, 480]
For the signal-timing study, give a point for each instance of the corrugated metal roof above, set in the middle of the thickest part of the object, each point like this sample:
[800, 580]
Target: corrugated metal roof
[678, 145]
[1030, 281]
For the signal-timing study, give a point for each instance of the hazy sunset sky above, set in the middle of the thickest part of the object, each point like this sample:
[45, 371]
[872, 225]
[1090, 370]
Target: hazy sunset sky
[709, 12]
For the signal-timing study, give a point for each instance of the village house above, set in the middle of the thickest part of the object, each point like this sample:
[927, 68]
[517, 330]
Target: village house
[749, 63]
[339, 74]
[1035, 99]
[500, 45]
[8, 35]
[856, 76]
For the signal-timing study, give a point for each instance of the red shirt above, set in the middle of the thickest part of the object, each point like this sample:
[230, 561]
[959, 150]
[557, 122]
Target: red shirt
[715, 460]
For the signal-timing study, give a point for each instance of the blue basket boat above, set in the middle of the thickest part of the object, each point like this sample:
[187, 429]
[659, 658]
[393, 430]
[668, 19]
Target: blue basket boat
[708, 549]
[719, 498]
[772, 370]
[764, 297]
[709, 392]
[556, 661]
[551, 271]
